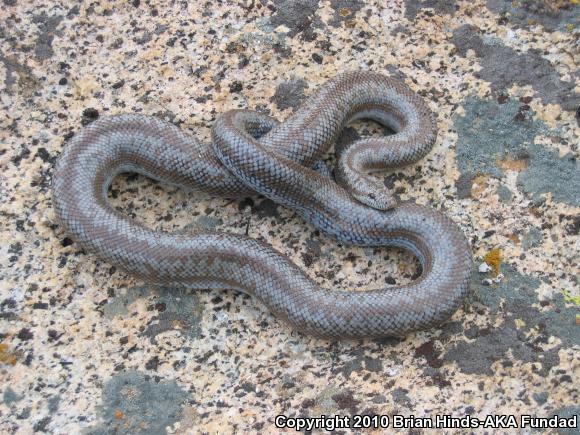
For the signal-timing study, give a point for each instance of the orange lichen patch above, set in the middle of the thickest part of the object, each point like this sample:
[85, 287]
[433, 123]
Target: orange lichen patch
[5, 356]
[557, 5]
[479, 185]
[512, 164]
[493, 259]
[118, 414]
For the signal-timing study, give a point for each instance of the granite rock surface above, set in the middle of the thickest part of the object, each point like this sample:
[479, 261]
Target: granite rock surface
[84, 348]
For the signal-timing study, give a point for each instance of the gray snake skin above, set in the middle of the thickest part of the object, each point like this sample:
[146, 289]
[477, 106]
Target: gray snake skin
[254, 153]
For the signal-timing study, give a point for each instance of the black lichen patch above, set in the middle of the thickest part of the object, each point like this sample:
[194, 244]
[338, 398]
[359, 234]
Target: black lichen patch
[176, 309]
[10, 396]
[136, 403]
[503, 66]
[17, 73]
[54, 404]
[531, 239]
[427, 350]
[525, 329]
[290, 93]
[41, 425]
[491, 346]
[119, 305]
[464, 184]
[47, 27]
[490, 134]
[515, 295]
[551, 173]
[568, 412]
[360, 364]
[400, 396]
[553, 15]
[90, 114]
[504, 194]
[204, 223]
[267, 208]
[346, 400]
[334, 400]
[297, 15]
[439, 7]
[25, 334]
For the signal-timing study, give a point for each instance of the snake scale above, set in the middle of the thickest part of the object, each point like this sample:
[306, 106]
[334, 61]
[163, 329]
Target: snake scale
[251, 153]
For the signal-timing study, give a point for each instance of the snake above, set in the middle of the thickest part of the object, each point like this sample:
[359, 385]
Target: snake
[252, 153]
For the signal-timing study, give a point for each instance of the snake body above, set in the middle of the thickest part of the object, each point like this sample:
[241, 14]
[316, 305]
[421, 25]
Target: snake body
[252, 153]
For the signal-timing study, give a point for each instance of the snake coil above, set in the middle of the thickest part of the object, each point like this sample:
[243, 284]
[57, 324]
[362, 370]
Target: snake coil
[254, 153]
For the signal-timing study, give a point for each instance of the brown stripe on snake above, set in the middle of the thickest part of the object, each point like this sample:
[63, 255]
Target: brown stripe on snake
[254, 153]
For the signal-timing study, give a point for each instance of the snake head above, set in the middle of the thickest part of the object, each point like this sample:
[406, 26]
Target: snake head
[362, 185]
[365, 188]
[373, 194]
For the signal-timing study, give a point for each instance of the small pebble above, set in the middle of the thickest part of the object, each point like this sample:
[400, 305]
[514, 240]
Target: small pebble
[484, 267]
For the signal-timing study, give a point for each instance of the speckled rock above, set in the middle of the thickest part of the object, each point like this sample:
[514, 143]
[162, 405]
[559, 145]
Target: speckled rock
[86, 348]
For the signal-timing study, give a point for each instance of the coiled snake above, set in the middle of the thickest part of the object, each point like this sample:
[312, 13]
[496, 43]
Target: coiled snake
[253, 153]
